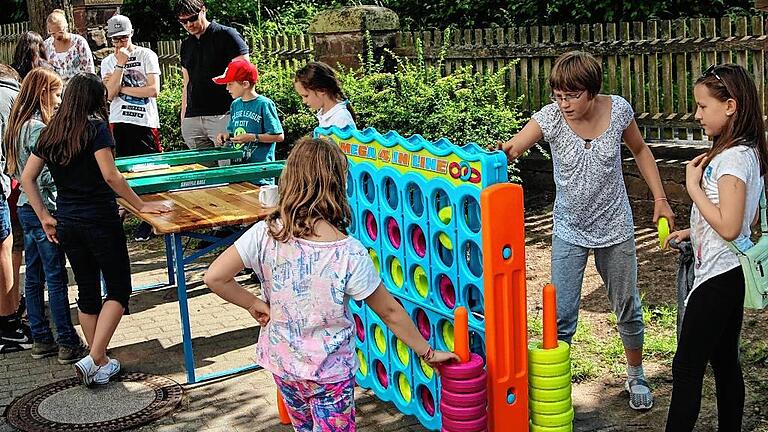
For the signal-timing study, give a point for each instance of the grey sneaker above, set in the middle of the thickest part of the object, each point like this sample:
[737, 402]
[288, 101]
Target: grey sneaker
[44, 349]
[69, 355]
[106, 372]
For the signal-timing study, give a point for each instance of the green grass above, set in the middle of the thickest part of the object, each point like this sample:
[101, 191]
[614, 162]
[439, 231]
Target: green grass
[593, 354]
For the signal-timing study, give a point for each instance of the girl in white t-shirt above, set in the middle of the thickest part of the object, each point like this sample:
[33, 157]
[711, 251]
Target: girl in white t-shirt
[725, 186]
[321, 91]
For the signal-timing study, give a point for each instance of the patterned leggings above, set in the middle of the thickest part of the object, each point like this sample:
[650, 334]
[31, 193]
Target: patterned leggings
[317, 407]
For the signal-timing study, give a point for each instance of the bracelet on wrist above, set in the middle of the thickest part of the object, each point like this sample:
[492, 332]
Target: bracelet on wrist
[660, 199]
[117, 66]
[427, 356]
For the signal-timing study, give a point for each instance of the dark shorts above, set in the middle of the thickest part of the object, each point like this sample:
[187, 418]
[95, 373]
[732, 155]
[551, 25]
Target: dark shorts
[18, 236]
[95, 251]
[133, 140]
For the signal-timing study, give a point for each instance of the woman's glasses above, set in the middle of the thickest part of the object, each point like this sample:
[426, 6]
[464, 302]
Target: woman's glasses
[566, 98]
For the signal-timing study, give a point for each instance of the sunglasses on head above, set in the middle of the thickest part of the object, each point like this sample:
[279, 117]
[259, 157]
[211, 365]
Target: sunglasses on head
[190, 19]
[712, 71]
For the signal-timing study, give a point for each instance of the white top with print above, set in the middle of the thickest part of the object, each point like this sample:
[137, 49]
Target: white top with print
[713, 256]
[129, 109]
[591, 204]
[310, 334]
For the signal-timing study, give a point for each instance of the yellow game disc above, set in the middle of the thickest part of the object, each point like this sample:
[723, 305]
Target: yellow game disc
[445, 214]
[380, 339]
[404, 386]
[375, 259]
[448, 335]
[663, 231]
[427, 369]
[402, 352]
[420, 281]
[397, 272]
[445, 241]
[363, 363]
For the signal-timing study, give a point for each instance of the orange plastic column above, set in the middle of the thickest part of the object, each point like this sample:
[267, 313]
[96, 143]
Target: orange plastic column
[461, 333]
[506, 332]
[282, 410]
[550, 317]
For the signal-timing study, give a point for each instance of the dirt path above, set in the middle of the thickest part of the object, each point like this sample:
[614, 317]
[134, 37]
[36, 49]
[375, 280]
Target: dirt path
[600, 403]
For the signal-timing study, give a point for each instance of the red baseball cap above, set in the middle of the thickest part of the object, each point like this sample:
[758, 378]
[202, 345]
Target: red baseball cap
[238, 70]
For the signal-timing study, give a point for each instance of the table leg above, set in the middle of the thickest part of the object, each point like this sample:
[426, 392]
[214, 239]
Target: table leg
[169, 259]
[181, 289]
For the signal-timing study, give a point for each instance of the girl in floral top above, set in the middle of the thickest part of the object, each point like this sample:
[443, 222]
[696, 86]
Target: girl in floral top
[68, 53]
[310, 268]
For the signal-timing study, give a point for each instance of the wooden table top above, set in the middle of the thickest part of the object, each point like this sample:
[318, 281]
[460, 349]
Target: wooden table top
[168, 170]
[194, 209]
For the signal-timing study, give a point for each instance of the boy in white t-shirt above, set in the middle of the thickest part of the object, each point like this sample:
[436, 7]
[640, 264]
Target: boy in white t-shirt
[132, 78]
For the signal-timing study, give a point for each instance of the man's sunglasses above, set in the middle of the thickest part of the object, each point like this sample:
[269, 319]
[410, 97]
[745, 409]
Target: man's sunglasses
[190, 19]
[117, 39]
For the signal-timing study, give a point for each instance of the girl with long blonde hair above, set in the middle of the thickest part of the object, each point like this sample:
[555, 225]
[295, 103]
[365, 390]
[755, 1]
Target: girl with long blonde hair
[45, 263]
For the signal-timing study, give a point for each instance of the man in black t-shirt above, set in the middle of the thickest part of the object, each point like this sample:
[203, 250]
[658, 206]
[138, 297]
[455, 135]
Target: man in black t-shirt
[205, 54]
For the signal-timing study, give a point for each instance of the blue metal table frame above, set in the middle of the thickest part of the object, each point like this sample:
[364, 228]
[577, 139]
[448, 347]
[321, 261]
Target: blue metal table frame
[177, 262]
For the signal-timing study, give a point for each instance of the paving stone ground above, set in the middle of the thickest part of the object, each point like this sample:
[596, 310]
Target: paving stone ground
[149, 341]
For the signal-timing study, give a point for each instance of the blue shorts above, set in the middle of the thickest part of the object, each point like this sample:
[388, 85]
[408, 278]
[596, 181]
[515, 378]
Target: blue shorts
[5, 220]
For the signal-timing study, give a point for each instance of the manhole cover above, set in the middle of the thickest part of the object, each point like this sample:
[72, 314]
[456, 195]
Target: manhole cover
[131, 400]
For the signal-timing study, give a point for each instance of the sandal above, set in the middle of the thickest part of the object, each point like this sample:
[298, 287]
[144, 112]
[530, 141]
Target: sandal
[640, 397]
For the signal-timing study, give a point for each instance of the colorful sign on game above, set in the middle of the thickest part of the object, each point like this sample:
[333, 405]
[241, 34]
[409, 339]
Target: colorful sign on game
[458, 165]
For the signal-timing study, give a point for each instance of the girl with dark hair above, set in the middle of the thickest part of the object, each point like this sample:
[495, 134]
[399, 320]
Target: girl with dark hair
[321, 91]
[725, 185]
[29, 54]
[78, 149]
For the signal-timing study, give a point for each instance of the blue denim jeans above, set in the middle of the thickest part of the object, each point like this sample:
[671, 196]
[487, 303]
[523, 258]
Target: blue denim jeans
[617, 266]
[45, 265]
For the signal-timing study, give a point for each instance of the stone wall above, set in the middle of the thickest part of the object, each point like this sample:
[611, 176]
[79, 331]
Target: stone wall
[536, 174]
[340, 34]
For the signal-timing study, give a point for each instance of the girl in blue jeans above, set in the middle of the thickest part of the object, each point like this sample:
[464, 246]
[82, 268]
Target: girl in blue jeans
[45, 263]
[585, 130]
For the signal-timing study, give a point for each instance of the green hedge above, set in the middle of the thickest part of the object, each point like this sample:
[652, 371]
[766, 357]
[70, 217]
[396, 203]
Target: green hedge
[464, 106]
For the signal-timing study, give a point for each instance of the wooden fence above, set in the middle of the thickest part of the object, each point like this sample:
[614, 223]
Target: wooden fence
[9, 34]
[652, 64]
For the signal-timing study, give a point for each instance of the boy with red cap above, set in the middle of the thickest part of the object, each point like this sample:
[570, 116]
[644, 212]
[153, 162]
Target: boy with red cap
[253, 117]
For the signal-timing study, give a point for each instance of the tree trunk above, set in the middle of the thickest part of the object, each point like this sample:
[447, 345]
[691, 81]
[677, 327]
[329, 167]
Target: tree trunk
[39, 9]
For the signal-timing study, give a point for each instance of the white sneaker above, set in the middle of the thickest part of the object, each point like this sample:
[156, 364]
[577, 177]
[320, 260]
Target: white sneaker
[86, 370]
[106, 372]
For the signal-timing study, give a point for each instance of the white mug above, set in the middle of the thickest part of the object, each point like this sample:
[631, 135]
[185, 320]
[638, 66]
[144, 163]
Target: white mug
[268, 195]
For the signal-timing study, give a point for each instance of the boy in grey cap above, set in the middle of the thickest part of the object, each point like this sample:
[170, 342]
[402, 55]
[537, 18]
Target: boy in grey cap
[132, 78]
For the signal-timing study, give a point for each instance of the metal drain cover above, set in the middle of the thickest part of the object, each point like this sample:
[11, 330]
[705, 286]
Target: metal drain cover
[130, 400]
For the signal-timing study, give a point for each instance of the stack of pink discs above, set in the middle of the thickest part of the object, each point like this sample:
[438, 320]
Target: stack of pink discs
[464, 396]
